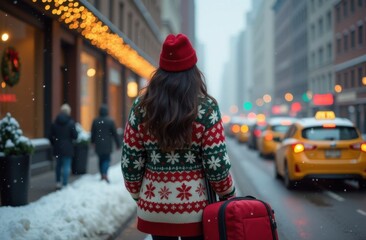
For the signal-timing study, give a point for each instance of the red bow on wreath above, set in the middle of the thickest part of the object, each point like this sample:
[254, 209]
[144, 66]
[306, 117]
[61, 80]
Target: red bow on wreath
[10, 66]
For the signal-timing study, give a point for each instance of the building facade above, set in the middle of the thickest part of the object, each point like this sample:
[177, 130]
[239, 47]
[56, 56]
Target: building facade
[85, 53]
[350, 60]
[320, 52]
[291, 50]
[262, 55]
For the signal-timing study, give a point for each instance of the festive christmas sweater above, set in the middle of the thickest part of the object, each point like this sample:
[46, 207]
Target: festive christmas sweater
[169, 187]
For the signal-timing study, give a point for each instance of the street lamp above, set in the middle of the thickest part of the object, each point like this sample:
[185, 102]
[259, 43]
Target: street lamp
[289, 97]
[338, 88]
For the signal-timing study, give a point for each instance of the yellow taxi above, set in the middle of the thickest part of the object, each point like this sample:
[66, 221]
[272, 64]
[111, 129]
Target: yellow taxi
[273, 133]
[243, 130]
[322, 147]
[234, 126]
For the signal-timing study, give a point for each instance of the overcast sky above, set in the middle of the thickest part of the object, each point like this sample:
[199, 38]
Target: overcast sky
[216, 22]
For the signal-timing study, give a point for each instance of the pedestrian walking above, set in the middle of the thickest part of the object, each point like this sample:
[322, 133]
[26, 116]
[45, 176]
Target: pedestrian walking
[62, 134]
[103, 133]
[173, 141]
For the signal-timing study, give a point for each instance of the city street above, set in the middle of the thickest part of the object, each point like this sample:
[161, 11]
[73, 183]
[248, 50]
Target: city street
[319, 211]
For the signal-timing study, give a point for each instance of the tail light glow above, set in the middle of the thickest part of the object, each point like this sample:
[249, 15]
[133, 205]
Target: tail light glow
[244, 128]
[268, 137]
[257, 132]
[359, 146]
[235, 128]
[329, 125]
[300, 147]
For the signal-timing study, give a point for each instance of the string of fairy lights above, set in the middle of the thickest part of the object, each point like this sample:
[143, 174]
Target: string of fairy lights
[78, 17]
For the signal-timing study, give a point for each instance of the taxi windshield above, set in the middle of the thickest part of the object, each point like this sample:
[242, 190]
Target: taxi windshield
[280, 128]
[337, 133]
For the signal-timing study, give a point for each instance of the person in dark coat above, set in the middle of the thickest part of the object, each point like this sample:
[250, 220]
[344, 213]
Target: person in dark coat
[62, 134]
[103, 133]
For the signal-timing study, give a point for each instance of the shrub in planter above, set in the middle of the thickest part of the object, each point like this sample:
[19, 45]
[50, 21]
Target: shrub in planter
[80, 161]
[15, 150]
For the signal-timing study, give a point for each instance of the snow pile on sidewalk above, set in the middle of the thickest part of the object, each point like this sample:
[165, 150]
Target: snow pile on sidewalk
[86, 209]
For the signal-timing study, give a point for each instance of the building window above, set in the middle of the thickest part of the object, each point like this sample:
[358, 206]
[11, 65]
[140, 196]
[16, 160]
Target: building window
[360, 35]
[329, 20]
[97, 4]
[339, 45]
[313, 31]
[360, 76]
[321, 56]
[338, 9]
[352, 3]
[129, 25]
[353, 79]
[353, 39]
[137, 30]
[329, 50]
[345, 42]
[111, 10]
[339, 80]
[320, 26]
[345, 9]
[345, 80]
[121, 15]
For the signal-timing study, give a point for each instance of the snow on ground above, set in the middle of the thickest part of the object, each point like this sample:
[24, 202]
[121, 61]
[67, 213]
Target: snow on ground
[86, 209]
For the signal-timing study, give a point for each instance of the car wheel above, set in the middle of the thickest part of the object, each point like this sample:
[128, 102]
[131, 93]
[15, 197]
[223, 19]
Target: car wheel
[290, 184]
[362, 183]
[277, 175]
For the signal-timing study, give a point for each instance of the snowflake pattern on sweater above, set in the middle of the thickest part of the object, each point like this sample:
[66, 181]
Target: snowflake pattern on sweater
[170, 186]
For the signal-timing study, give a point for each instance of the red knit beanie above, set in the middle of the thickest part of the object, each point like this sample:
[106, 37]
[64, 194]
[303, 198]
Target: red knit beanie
[177, 54]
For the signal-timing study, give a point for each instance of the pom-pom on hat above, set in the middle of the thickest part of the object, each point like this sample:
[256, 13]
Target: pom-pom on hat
[177, 54]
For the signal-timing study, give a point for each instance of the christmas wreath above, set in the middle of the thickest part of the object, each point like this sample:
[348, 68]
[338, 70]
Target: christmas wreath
[10, 66]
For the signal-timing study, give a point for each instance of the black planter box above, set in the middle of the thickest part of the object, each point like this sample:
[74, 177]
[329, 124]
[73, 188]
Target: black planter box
[14, 184]
[80, 160]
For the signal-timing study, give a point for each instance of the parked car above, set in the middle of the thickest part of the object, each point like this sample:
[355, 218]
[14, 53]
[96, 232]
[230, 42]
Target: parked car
[323, 147]
[233, 127]
[243, 134]
[254, 132]
[273, 133]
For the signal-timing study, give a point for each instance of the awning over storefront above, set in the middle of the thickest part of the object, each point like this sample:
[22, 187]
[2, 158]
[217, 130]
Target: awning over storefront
[83, 17]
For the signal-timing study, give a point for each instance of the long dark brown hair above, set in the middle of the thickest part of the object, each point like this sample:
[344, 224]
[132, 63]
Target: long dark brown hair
[171, 102]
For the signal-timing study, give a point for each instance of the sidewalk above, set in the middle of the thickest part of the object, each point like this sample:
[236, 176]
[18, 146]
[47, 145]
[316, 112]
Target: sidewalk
[45, 183]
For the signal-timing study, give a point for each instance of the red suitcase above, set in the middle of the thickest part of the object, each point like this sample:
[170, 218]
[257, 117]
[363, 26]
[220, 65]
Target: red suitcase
[239, 218]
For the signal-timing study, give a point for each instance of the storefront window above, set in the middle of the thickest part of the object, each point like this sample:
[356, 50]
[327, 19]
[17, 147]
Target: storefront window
[91, 90]
[23, 96]
[115, 96]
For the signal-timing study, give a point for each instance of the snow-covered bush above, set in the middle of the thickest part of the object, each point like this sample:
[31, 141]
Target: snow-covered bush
[12, 141]
[83, 136]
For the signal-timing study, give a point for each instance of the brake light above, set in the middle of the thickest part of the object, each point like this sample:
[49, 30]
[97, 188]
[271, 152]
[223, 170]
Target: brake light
[359, 146]
[286, 122]
[329, 125]
[268, 137]
[244, 128]
[235, 128]
[257, 132]
[300, 147]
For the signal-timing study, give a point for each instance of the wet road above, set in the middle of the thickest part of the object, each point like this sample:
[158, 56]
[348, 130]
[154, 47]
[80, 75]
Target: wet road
[316, 210]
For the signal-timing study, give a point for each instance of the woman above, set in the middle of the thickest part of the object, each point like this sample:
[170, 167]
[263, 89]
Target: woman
[173, 141]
